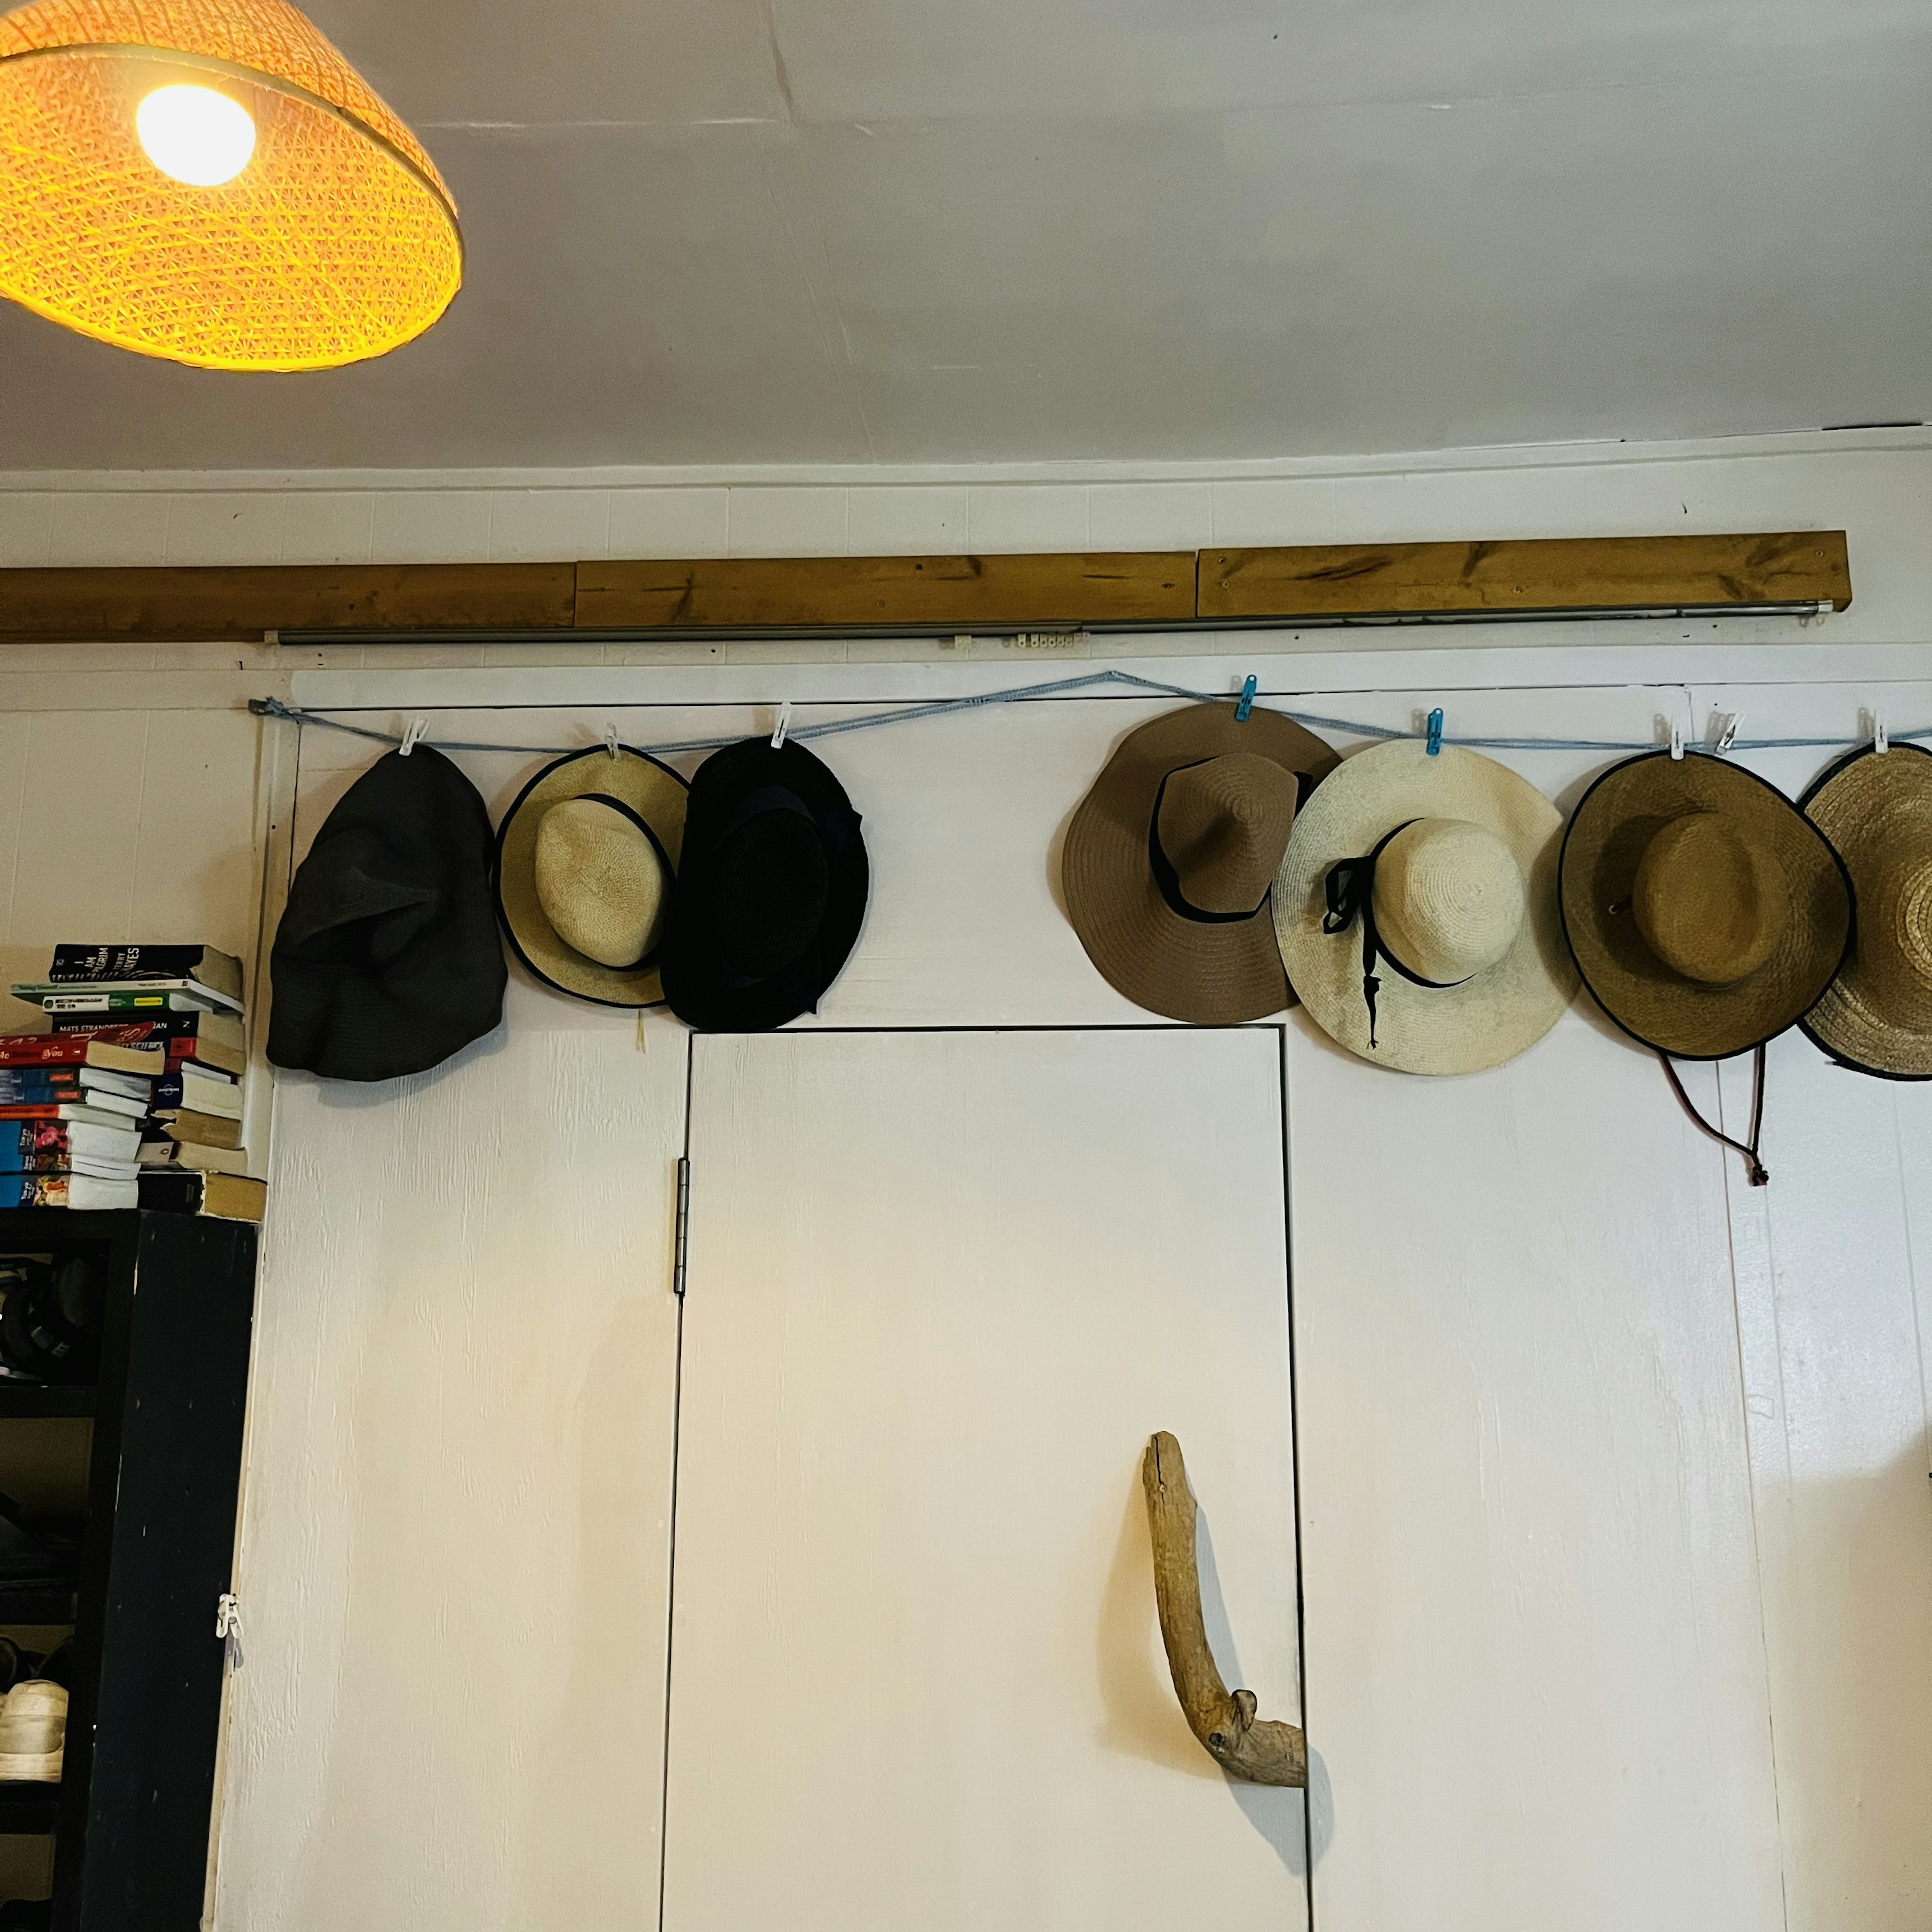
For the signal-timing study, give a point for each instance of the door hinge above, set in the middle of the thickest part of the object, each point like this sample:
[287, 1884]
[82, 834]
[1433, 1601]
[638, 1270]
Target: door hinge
[683, 1225]
[228, 1628]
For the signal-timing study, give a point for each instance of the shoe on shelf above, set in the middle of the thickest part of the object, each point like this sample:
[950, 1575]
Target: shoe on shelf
[33, 1733]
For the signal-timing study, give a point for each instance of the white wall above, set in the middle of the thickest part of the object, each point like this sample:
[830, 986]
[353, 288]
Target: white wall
[1628, 1524]
[1578, 1496]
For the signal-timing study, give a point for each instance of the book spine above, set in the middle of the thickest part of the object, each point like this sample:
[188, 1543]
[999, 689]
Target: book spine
[49, 1049]
[173, 1190]
[77, 964]
[21, 1088]
[179, 1031]
[125, 1001]
[36, 1160]
[33, 1190]
[36, 1146]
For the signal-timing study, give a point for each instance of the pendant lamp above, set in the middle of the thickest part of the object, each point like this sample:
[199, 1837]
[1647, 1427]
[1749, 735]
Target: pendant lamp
[209, 180]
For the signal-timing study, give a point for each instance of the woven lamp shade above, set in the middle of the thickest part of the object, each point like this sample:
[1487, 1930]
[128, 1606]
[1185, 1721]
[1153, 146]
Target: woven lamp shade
[337, 241]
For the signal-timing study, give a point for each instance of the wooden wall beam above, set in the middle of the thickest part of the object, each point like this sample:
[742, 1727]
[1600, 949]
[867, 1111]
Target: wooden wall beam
[1579, 574]
[734, 593]
[1557, 574]
[218, 604]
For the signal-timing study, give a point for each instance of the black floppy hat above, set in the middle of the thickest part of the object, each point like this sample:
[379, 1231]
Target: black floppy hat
[387, 959]
[771, 889]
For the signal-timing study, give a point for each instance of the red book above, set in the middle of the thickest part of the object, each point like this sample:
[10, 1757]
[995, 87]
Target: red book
[215, 1040]
[136, 1047]
[70, 1110]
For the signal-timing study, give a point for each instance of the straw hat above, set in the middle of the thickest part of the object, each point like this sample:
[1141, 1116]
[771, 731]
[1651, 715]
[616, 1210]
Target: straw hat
[1876, 810]
[587, 861]
[1443, 871]
[1706, 913]
[1169, 860]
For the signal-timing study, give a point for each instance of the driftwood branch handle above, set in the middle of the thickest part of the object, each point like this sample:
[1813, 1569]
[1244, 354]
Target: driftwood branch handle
[1260, 1753]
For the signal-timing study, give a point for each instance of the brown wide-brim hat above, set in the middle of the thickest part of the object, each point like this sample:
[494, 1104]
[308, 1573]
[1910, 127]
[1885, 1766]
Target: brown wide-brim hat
[1609, 833]
[1208, 975]
[1876, 808]
[656, 794]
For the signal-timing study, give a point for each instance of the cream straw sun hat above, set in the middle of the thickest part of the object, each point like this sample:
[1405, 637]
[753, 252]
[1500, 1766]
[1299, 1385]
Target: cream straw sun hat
[586, 861]
[1416, 910]
[1876, 808]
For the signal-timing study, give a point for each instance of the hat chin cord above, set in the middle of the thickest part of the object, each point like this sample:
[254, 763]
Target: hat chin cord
[1755, 1170]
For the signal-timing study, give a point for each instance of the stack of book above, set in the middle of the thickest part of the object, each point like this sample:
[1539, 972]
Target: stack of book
[72, 1111]
[174, 1013]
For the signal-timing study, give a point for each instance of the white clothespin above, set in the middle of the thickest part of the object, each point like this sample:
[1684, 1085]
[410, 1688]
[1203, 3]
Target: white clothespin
[784, 725]
[1676, 740]
[413, 735]
[228, 1628]
[1728, 736]
[1881, 744]
[610, 739]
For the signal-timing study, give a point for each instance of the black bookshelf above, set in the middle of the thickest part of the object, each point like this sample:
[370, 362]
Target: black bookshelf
[162, 1448]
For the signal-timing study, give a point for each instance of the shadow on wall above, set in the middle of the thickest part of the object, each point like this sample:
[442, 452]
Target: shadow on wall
[1143, 1716]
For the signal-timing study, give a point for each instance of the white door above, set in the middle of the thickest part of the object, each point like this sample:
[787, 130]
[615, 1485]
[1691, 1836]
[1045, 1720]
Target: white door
[941, 1289]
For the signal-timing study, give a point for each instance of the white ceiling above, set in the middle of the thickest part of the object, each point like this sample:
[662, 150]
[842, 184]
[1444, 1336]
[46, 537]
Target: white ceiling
[917, 231]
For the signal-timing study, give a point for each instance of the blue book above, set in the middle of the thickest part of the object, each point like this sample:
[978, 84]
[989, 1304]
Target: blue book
[33, 1086]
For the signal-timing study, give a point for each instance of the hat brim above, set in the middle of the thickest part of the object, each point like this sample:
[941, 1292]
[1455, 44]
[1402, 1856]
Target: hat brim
[1484, 1021]
[1609, 833]
[696, 991]
[1871, 808]
[656, 793]
[1207, 975]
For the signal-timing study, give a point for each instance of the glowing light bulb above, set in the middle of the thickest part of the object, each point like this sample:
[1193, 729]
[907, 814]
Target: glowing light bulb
[195, 134]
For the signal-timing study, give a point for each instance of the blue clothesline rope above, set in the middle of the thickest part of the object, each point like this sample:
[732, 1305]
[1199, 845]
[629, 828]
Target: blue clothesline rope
[907, 714]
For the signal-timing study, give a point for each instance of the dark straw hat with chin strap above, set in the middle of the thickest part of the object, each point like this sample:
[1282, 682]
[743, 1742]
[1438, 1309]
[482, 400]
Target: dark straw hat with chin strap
[771, 890]
[1706, 913]
[1171, 857]
[387, 959]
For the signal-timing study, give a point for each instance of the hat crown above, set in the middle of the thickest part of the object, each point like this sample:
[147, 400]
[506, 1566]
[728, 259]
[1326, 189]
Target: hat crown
[1710, 903]
[600, 881]
[1904, 921]
[1224, 824]
[1449, 898]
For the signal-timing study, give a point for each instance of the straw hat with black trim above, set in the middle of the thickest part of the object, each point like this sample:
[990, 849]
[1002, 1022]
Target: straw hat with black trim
[1876, 808]
[587, 863]
[1169, 858]
[1442, 869]
[1706, 913]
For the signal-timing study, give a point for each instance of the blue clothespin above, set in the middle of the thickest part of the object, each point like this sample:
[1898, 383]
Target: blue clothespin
[1436, 733]
[1247, 702]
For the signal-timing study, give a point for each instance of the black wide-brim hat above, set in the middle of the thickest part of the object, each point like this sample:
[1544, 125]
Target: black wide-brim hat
[771, 890]
[387, 960]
